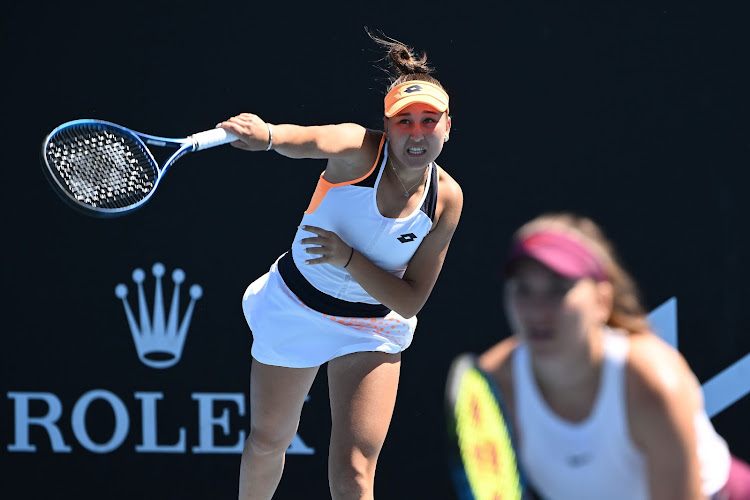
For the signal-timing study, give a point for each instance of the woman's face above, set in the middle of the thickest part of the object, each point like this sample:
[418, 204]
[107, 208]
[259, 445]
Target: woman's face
[552, 313]
[417, 134]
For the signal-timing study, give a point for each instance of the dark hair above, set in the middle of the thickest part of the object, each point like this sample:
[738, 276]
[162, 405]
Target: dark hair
[404, 62]
[627, 311]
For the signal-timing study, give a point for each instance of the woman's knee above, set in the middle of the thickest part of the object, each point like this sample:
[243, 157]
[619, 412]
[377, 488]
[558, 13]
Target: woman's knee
[350, 484]
[268, 441]
[352, 475]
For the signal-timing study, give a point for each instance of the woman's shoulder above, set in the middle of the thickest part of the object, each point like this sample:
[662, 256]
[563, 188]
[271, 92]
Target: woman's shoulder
[358, 161]
[658, 377]
[450, 195]
[446, 181]
[654, 364]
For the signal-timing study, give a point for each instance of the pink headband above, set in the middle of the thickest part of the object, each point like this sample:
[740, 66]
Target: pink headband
[559, 252]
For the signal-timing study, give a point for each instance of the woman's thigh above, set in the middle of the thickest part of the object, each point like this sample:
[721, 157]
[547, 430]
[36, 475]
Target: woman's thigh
[276, 398]
[362, 389]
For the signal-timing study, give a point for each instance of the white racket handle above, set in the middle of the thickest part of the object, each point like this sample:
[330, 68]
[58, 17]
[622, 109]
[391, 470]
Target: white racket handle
[212, 138]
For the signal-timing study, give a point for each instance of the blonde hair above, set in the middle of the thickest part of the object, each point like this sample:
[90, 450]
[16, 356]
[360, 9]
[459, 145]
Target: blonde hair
[627, 311]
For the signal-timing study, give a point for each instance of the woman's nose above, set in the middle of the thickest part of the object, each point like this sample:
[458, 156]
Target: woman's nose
[417, 133]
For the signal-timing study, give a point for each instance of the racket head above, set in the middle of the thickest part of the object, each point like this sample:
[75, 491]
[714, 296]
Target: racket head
[481, 450]
[100, 168]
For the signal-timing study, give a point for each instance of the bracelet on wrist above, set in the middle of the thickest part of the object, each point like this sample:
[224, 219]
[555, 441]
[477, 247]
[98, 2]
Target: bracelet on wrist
[350, 257]
[270, 137]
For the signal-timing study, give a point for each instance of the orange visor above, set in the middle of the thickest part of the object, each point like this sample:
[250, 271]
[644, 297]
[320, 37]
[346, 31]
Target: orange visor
[413, 91]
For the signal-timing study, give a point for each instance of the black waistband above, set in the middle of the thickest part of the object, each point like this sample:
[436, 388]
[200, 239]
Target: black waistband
[322, 302]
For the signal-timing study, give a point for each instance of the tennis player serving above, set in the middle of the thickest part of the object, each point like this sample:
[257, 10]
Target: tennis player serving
[362, 264]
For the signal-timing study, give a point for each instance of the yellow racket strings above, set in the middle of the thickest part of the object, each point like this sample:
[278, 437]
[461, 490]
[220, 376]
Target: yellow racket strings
[484, 443]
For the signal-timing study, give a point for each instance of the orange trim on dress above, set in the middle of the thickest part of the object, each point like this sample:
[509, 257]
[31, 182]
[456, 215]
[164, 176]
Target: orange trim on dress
[323, 185]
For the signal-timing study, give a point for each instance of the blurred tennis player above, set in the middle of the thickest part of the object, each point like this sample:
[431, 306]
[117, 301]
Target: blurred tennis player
[602, 408]
[363, 262]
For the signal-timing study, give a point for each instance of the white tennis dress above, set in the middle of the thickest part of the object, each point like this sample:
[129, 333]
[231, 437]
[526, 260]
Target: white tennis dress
[304, 315]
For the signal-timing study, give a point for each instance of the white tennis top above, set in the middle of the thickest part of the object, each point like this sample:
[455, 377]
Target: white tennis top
[350, 210]
[596, 458]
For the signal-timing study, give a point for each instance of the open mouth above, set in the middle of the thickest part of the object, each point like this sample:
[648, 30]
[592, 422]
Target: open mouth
[416, 151]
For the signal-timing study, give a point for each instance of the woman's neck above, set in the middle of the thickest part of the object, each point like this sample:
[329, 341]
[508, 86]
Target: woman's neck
[404, 179]
[574, 367]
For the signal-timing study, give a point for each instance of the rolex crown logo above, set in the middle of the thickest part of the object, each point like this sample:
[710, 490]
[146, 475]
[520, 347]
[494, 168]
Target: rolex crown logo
[159, 339]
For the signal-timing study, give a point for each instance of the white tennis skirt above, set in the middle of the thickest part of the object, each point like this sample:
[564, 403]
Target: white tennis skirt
[288, 333]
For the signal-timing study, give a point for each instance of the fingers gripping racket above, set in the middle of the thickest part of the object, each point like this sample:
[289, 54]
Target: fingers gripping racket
[480, 445]
[107, 170]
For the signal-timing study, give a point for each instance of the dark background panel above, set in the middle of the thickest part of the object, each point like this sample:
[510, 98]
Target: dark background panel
[634, 116]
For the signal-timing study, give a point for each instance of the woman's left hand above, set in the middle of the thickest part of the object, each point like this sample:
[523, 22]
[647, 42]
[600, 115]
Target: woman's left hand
[329, 246]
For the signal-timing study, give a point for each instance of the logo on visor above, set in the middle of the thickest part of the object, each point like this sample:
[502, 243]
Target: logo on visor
[159, 337]
[413, 88]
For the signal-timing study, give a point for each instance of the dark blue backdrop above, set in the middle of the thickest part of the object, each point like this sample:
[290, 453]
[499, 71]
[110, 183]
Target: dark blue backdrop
[636, 117]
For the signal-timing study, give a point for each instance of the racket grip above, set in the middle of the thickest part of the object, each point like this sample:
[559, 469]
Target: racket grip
[212, 138]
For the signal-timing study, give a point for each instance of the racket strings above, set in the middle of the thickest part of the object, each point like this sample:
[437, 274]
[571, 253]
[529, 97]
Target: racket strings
[484, 442]
[100, 167]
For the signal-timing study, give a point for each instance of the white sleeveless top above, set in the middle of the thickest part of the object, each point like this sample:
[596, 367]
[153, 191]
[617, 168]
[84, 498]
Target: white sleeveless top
[595, 458]
[350, 210]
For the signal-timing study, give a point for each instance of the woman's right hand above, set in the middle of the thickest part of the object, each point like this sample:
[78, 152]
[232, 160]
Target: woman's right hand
[254, 134]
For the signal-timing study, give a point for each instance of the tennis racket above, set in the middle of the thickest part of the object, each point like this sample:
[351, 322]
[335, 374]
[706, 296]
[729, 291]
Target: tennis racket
[107, 170]
[480, 444]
